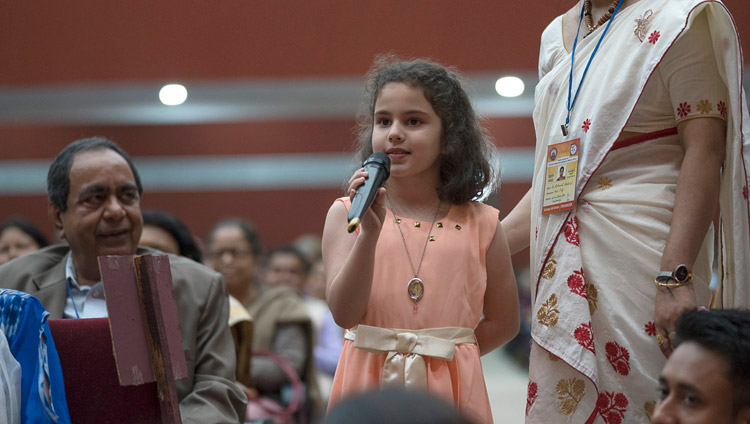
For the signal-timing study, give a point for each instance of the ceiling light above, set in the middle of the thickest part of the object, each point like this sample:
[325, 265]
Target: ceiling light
[509, 86]
[173, 94]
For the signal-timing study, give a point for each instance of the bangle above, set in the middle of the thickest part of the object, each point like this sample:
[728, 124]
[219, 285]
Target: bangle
[674, 285]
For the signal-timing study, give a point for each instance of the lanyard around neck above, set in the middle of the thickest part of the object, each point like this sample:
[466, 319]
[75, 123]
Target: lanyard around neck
[72, 300]
[572, 61]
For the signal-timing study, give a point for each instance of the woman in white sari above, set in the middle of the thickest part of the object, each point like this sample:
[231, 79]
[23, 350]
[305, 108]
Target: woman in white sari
[653, 96]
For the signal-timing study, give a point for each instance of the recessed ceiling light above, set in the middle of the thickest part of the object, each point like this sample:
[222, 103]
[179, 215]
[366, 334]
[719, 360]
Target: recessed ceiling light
[509, 86]
[173, 94]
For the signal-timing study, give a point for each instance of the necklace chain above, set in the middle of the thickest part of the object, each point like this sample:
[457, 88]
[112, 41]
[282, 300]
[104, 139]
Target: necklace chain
[403, 239]
[587, 13]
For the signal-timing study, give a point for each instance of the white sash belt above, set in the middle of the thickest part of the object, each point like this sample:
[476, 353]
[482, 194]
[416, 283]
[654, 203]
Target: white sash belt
[405, 366]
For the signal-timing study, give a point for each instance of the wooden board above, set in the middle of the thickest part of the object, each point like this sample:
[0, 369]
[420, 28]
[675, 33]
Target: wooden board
[128, 324]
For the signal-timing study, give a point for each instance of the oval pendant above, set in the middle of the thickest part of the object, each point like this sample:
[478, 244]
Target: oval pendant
[415, 289]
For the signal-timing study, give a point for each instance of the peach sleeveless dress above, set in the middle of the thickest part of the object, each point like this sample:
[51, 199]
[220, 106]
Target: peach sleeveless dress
[455, 278]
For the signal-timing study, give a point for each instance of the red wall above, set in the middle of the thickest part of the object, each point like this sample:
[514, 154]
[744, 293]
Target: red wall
[49, 42]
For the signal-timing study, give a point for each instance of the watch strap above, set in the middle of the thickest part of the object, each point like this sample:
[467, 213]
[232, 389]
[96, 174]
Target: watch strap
[665, 276]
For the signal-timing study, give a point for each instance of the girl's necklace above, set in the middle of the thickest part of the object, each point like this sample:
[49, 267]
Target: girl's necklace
[415, 287]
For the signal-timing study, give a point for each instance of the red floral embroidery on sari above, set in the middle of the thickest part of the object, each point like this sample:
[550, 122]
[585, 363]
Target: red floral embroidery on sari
[612, 407]
[586, 125]
[576, 284]
[744, 192]
[650, 328]
[722, 108]
[571, 231]
[683, 109]
[585, 337]
[532, 394]
[654, 37]
[618, 357]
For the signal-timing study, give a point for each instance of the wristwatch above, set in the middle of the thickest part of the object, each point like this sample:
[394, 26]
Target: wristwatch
[681, 275]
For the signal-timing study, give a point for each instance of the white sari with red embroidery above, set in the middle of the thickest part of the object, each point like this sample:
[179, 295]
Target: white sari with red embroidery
[594, 356]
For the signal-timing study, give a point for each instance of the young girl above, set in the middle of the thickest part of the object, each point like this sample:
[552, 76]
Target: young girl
[425, 286]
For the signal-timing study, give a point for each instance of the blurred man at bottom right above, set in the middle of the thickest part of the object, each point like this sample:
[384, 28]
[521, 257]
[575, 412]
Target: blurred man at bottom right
[707, 377]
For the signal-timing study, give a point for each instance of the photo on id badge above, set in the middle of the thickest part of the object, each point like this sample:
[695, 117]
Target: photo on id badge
[560, 177]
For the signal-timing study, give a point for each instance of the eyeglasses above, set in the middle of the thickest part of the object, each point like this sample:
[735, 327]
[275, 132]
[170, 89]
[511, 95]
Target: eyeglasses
[233, 253]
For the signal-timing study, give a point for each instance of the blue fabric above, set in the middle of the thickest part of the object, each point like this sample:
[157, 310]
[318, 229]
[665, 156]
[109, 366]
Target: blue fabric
[24, 321]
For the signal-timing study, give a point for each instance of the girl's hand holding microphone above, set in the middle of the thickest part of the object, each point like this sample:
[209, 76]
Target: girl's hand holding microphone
[365, 189]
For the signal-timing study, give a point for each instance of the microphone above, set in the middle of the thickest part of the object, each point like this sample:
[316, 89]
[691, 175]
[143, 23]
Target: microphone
[378, 167]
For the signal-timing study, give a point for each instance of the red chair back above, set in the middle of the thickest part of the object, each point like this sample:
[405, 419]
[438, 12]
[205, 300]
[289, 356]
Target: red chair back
[92, 388]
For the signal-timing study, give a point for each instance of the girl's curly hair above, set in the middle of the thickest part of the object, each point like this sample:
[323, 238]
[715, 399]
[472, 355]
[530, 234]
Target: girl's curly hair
[466, 171]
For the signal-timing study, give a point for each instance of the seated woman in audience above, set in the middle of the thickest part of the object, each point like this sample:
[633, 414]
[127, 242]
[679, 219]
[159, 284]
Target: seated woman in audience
[163, 231]
[19, 236]
[281, 322]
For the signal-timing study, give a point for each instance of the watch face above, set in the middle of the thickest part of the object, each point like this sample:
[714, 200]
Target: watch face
[681, 273]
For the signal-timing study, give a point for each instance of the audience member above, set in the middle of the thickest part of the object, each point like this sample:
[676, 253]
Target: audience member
[330, 337]
[315, 284]
[163, 231]
[288, 266]
[309, 244]
[329, 340]
[281, 322]
[19, 236]
[707, 377]
[94, 202]
[394, 405]
[23, 324]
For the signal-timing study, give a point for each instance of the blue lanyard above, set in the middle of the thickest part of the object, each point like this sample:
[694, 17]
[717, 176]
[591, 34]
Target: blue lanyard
[72, 300]
[572, 60]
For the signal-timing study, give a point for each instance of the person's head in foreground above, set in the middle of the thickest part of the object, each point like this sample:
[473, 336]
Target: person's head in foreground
[395, 406]
[707, 377]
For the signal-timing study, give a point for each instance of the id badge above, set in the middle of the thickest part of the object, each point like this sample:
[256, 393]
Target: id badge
[561, 175]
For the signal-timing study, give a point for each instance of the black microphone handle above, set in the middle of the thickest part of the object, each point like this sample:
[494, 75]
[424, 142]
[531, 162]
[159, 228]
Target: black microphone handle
[364, 196]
